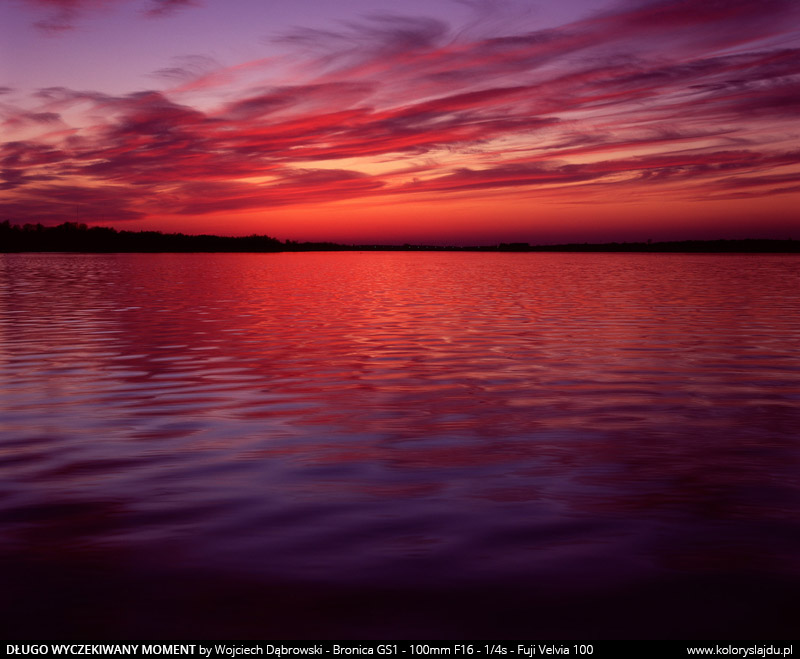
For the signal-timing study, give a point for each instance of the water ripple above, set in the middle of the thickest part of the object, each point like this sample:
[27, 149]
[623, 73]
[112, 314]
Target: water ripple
[405, 419]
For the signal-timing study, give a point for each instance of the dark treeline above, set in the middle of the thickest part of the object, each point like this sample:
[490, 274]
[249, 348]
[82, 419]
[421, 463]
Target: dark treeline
[761, 245]
[75, 237]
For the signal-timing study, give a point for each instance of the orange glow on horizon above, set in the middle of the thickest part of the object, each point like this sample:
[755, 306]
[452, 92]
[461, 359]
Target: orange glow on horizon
[579, 132]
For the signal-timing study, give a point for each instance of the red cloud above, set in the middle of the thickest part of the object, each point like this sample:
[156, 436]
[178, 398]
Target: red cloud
[533, 110]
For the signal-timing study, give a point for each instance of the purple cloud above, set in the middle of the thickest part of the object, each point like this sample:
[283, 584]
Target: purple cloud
[590, 106]
[158, 8]
[63, 15]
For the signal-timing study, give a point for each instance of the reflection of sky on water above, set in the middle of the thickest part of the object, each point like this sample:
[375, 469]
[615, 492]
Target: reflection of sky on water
[412, 419]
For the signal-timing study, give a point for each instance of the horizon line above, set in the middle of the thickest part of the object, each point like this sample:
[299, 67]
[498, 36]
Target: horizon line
[69, 234]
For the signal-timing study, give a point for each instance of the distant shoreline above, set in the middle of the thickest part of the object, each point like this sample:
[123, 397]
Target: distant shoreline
[79, 238]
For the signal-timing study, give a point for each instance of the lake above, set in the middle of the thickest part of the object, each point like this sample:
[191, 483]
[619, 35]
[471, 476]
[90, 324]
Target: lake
[399, 445]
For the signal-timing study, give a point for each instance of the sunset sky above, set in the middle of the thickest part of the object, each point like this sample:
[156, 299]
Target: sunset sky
[439, 121]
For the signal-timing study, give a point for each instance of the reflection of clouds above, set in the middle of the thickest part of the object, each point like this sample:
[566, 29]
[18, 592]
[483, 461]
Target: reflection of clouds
[545, 408]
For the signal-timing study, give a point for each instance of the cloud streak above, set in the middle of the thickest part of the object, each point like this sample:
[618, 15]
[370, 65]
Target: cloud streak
[63, 15]
[640, 101]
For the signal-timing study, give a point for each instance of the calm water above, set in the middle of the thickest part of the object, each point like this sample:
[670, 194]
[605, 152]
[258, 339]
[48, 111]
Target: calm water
[400, 445]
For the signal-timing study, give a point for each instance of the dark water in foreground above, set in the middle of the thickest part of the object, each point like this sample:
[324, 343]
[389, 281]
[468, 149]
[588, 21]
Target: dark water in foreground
[399, 445]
